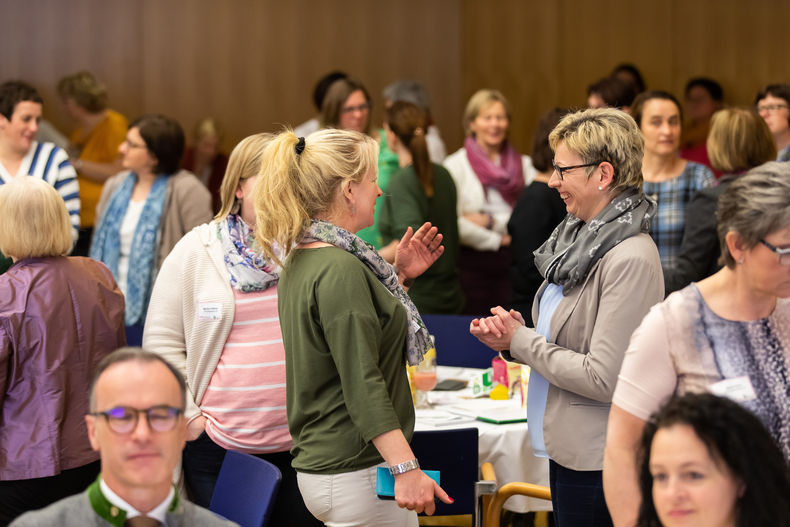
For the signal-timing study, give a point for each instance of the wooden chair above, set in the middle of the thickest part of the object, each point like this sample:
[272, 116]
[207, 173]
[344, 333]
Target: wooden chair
[493, 509]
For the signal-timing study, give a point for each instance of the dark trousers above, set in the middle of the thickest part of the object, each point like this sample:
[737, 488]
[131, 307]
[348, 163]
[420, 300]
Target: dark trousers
[24, 495]
[83, 245]
[202, 460]
[577, 497]
[134, 335]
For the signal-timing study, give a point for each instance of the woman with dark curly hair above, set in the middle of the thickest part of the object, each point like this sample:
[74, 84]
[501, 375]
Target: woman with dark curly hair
[706, 460]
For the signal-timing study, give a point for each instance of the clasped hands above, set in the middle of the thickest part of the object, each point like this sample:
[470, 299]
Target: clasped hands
[497, 331]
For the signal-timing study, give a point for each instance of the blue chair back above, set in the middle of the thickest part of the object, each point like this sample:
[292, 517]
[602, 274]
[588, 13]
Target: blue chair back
[455, 346]
[246, 489]
[454, 453]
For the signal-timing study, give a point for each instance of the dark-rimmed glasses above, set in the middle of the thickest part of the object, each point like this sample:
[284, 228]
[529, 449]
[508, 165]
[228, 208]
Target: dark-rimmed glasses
[561, 170]
[123, 419]
[770, 107]
[784, 254]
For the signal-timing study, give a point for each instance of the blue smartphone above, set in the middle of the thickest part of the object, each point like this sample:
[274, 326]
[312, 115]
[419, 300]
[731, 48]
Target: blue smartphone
[385, 482]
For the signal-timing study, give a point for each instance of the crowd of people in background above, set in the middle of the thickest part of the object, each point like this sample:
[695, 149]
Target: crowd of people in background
[637, 259]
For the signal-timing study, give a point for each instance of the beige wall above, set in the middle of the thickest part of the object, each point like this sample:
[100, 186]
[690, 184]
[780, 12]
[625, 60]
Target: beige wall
[253, 63]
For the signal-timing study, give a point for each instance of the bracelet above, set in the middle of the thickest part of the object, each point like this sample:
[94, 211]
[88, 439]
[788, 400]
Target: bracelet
[406, 466]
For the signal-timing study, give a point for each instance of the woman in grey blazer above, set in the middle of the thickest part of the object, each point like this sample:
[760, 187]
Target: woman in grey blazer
[602, 274]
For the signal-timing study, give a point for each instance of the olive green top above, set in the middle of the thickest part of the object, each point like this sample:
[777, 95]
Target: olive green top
[345, 354]
[438, 289]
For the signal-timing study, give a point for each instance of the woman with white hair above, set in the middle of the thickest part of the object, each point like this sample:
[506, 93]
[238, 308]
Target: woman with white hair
[59, 316]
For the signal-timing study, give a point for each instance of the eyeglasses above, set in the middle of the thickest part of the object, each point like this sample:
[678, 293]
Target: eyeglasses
[132, 144]
[351, 109]
[561, 170]
[784, 254]
[770, 107]
[123, 419]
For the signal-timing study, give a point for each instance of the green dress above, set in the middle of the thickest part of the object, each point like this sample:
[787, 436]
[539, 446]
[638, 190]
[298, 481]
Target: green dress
[437, 290]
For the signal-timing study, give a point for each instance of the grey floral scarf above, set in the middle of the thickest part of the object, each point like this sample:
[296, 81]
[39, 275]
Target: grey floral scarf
[574, 246]
[418, 341]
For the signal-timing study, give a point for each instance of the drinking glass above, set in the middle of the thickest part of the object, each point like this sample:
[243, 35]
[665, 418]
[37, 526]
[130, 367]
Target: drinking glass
[424, 378]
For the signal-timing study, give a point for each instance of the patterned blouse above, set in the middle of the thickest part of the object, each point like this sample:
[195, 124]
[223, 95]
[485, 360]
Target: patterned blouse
[683, 346]
[672, 196]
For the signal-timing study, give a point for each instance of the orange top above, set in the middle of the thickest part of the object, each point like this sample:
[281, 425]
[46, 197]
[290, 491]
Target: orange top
[100, 146]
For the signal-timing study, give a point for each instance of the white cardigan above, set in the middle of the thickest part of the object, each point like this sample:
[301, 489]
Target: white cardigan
[183, 324]
[472, 198]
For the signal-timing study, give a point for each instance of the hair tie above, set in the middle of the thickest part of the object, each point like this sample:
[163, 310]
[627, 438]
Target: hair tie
[299, 146]
[418, 131]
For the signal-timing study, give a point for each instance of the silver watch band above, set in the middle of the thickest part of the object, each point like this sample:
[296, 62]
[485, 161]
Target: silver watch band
[406, 466]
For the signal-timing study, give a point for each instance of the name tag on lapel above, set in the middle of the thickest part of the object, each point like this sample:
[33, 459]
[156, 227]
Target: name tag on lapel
[209, 311]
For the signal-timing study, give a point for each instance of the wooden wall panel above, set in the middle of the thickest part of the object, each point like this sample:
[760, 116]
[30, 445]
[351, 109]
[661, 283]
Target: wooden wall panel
[556, 49]
[253, 63]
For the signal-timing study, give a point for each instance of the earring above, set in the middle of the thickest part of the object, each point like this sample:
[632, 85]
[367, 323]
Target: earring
[600, 188]
[740, 260]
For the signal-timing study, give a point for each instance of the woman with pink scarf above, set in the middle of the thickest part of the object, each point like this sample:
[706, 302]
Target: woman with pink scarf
[489, 176]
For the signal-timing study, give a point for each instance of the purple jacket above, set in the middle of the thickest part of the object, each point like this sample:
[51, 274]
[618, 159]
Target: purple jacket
[58, 318]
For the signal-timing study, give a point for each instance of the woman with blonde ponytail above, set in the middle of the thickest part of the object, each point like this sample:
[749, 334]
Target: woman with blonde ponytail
[348, 328]
[421, 191]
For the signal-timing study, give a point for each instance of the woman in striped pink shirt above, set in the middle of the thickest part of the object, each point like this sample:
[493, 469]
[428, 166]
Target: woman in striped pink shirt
[213, 314]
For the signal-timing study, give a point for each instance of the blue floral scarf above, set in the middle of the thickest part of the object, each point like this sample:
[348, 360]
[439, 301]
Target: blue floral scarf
[418, 341]
[248, 269]
[106, 246]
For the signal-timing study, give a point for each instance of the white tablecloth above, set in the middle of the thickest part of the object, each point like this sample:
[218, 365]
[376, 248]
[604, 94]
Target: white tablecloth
[506, 446]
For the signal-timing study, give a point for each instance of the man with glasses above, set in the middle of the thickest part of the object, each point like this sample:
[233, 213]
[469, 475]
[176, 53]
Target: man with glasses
[773, 105]
[137, 425]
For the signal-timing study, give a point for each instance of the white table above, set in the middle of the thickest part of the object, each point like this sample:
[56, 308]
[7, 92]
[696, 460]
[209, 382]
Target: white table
[507, 446]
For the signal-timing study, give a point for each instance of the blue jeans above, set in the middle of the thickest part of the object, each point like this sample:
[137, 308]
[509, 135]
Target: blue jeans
[577, 497]
[202, 460]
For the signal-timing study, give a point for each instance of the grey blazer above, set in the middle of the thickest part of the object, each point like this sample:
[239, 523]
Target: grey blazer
[590, 330]
[76, 511]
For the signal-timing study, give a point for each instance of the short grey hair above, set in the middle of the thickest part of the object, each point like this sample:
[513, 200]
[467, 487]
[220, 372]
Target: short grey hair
[408, 91]
[754, 205]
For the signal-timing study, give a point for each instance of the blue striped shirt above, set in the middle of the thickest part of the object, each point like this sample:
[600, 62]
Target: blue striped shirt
[49, 162]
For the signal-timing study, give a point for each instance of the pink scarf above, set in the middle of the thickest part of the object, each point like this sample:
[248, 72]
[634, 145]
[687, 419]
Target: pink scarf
[507, 178]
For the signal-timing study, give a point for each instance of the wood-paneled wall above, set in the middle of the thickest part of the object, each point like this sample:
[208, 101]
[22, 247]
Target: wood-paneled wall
[253, 63]
[543, 54]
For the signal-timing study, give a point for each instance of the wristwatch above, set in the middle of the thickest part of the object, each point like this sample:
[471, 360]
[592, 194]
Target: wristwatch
[406, 466]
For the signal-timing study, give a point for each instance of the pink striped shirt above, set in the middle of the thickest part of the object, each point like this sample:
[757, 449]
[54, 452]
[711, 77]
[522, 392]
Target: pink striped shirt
[245, 399]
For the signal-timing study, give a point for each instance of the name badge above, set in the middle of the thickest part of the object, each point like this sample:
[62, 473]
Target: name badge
[209, 311]
[739, 389]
